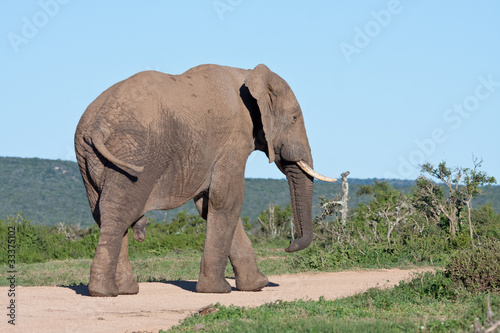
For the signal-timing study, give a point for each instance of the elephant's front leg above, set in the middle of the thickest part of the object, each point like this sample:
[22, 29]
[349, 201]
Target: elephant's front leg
[242, 257]
[224, 207]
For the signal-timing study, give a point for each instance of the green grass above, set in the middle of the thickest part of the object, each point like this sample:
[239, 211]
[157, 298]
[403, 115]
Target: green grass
[177, 265]
[425, 304]
[449, 300]
[429, 303]
[57, 272]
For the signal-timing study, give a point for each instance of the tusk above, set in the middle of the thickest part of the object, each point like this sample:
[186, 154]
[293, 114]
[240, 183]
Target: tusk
[310, 171]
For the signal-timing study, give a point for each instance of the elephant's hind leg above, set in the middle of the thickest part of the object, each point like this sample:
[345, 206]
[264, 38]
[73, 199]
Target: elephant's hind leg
[125, 280]
[242, 257]
[103, 270]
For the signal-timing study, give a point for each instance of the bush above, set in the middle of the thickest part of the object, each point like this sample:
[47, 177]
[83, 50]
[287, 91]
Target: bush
[185, 231]
[39, 243]
[428, 285]
[486, 221]
[477, 269]
[30, 240]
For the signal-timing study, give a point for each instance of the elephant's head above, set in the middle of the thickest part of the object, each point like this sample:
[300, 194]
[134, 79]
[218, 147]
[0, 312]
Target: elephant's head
[281, 133]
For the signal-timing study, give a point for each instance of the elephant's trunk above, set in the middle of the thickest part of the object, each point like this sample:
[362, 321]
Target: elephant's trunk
[301, 193]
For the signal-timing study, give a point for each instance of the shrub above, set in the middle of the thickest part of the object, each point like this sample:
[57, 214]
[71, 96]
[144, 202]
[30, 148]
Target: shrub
[429, 285]
[486, 221]
[185, 231]
[477, 269]
[39, 243]
[30, 240]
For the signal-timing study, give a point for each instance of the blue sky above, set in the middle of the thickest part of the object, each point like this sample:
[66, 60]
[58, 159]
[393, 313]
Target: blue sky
[384, 85]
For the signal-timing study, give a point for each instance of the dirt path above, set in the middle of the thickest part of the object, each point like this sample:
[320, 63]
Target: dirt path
[162, 305]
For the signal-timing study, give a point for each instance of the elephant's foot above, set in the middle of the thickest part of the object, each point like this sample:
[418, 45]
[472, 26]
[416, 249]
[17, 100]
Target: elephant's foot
[100, 286]
[219, 286]
[126, 283]
[253, 282]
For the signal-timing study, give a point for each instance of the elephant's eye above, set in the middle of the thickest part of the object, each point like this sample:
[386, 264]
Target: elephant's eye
[294, 119]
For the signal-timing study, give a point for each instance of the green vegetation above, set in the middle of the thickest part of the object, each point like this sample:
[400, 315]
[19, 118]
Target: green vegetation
[40, 243]
[50, 192]
[37, 243]
[426, 224]
[46, 191]
[394, 229]
[477, 269]
[427, 304]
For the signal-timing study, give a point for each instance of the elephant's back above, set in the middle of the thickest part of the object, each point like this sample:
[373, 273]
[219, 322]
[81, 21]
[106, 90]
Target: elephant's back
[219, 76]
[140, 97]
[136, 96]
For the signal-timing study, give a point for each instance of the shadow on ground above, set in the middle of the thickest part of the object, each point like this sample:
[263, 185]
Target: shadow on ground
[83, 289]
[191, 285]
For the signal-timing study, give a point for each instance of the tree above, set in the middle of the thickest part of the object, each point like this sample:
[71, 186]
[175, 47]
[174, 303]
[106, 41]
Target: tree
[473, 181]
[338, 207]
[462, 185]
[430, 195]
[329, 207]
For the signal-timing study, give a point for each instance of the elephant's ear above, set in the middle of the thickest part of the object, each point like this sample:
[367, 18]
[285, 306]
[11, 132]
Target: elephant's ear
[259, 84]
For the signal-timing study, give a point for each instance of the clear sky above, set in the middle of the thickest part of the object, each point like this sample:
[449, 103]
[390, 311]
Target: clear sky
[384, 85]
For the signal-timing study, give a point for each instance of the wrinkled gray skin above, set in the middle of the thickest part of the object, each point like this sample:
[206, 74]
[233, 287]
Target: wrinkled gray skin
[155, 141]
[139, 229]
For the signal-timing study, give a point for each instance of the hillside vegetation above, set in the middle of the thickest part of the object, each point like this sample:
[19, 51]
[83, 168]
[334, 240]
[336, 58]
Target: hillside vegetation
[51, 191]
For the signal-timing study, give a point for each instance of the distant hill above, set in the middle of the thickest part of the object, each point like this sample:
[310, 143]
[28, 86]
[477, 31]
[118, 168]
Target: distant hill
[52, 191]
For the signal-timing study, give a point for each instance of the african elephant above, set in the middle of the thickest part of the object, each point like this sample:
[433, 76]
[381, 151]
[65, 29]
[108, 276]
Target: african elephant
[155, 141]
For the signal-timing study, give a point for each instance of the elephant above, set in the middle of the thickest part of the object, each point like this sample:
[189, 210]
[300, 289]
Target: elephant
[155, 141]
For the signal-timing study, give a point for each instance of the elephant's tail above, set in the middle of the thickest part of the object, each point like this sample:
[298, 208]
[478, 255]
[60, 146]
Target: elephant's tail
[98, 143]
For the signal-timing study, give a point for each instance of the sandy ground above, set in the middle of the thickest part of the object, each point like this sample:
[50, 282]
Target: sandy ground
[162, 305]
